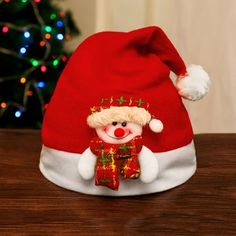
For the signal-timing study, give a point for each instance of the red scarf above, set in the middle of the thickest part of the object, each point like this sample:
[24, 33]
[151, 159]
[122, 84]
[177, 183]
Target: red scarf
[113, 159]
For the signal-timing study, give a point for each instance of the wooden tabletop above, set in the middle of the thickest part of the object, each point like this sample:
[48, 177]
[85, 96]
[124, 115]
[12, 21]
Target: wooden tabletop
[31, 205]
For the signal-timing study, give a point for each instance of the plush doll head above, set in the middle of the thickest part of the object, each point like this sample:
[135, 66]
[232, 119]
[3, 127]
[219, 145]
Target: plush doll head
[117, 122]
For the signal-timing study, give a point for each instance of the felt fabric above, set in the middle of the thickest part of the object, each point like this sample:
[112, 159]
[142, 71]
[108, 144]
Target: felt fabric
[132, 64]
[115, 159]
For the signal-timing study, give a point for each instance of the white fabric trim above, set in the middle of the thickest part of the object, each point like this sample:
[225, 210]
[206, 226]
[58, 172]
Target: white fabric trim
[175, 168]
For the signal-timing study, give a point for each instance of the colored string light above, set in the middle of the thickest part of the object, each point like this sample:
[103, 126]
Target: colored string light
[64, 58]
[59, 23]
[55, 62]
[27, 34]
[22, 80]
[60, 36]
[29, 93]
[43, 69]
[23, 50]
[34, 62]
[68, 37]
[40, 84]
[53, 16]
[48, 28]
[44, 62]
[42, 43]
[18, 114]
[5, 29]
[3, 105]
[62, 14]
[47, 36]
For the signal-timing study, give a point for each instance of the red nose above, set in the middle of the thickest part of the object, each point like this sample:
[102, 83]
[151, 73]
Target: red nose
[119, 132]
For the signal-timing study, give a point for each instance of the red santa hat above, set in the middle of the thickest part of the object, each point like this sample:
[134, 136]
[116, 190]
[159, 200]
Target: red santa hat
[130, 65]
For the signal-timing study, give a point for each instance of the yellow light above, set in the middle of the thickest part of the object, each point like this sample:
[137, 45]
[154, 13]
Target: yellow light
[3, 105]
[47, 36]
[23, 80]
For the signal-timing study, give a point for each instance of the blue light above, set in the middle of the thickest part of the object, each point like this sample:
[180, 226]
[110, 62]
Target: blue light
[60, 36]
[41, 84]
[59, 23]
[27, 34]
[18, 114]
[23, 50]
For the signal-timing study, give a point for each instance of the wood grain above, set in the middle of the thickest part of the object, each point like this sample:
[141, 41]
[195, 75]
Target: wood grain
[30, 205]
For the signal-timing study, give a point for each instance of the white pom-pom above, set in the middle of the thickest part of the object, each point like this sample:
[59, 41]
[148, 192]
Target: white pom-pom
[156, 125]
[195, 85]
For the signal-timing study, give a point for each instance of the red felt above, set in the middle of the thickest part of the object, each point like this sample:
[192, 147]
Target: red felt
[134, 65]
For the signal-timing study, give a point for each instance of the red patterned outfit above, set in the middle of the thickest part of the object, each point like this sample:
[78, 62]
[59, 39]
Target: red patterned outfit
[113, 159]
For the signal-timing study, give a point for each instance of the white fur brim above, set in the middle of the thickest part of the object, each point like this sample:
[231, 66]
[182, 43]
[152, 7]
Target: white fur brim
[175, 168]
[195, 85]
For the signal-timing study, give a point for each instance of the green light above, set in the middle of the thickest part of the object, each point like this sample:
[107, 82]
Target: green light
[48, 28]
[24, 1]
[55, 62]
[53, 16]
[34, 62]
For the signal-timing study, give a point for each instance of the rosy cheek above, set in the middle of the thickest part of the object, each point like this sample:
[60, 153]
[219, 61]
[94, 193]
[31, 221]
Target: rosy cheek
[105, 129]
[128, 131]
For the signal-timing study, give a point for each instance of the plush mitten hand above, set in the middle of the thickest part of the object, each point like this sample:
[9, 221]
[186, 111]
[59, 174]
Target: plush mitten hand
[86, 165]
[195, 84]
[148, 165]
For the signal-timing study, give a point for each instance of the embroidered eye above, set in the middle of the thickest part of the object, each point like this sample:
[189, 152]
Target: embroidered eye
[124, 124]
[114, 123]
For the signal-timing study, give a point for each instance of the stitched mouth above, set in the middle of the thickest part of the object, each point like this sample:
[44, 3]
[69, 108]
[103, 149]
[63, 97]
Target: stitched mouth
[120, 137]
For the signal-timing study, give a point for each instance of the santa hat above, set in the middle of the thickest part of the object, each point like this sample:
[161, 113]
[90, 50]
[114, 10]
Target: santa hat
[134, 66]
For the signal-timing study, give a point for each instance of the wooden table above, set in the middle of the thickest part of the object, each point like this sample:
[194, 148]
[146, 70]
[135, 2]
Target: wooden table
[31, 205]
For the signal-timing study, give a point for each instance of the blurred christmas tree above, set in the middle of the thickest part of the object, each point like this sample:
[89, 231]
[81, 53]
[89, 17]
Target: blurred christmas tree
[32, 56]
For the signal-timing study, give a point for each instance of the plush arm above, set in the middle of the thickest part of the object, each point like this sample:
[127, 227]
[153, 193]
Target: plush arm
[86, 165]
[148, 165]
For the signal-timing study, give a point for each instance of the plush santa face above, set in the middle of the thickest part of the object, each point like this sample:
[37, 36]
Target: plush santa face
[118, 133]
